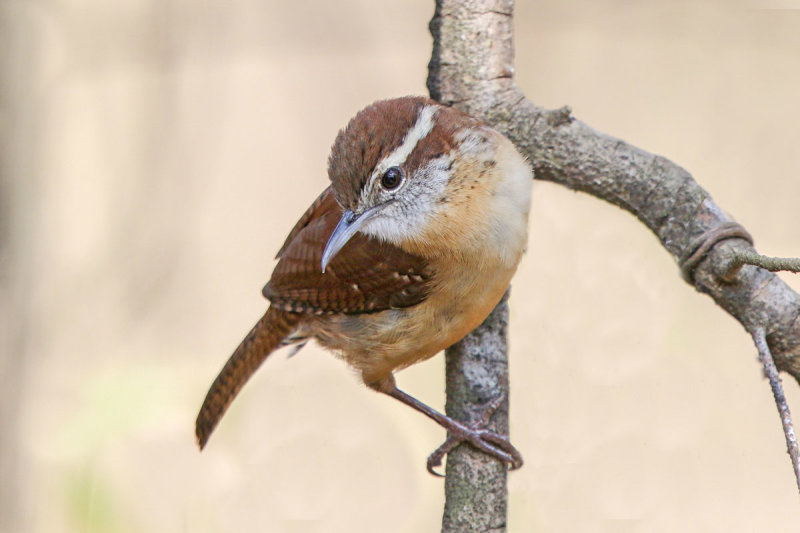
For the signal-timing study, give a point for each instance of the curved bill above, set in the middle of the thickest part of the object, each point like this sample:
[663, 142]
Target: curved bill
[348, 225]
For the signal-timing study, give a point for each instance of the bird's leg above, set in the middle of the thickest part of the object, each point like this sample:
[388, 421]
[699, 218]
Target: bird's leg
[476, 434]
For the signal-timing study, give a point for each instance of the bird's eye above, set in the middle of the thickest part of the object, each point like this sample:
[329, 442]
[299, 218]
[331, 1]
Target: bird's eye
[391, 178]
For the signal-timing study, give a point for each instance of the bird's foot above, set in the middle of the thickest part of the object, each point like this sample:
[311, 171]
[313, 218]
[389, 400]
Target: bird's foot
[476, 434]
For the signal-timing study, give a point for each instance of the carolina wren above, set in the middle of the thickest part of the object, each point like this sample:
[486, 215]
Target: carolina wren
[410, 248]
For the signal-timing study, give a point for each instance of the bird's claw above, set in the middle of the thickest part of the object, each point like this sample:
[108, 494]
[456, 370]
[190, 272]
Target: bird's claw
[489, 442]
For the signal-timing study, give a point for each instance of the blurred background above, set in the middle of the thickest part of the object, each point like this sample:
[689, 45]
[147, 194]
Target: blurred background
[155, 153]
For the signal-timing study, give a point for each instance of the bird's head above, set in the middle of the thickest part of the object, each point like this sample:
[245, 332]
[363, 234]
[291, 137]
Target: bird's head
[400, 166]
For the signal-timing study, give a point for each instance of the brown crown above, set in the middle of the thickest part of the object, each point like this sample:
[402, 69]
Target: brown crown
[376, 131]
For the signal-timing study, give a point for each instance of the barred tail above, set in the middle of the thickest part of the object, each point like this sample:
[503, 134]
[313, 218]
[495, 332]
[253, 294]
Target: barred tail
[265, 337]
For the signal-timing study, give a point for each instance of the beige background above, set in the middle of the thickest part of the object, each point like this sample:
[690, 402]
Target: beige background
[154, 155]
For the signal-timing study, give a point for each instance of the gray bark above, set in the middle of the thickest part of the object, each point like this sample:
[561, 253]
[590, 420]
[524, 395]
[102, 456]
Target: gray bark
[477, 373]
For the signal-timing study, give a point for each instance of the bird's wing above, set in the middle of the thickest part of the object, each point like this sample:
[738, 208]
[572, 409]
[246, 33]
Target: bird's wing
[366, 276]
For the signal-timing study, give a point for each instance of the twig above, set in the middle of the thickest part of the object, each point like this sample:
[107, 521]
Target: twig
[751, 257]
[771, 372]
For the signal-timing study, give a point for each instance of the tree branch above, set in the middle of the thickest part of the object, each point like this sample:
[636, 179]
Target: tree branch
[477, 366]
[472, 69]
[477, 373]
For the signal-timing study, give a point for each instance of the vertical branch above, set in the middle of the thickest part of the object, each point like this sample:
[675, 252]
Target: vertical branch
[477, 372]
[471, 69]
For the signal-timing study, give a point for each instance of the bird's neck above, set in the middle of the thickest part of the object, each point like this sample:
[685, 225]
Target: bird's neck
[483, 218]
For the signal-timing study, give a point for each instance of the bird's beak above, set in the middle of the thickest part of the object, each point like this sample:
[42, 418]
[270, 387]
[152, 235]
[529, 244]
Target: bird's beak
[348, 225]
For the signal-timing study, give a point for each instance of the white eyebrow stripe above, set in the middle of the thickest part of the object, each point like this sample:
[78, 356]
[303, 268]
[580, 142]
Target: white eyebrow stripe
[419, 131]
[421, 128]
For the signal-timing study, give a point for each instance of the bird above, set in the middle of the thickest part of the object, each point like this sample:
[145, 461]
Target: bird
[409, 248]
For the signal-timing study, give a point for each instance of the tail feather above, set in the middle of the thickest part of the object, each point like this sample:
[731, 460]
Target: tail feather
[264, 338]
